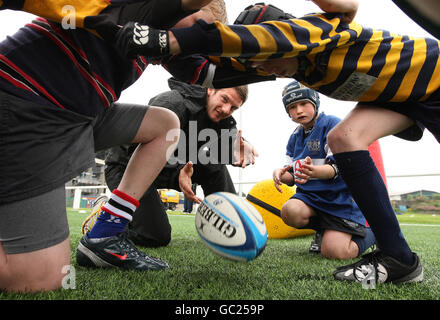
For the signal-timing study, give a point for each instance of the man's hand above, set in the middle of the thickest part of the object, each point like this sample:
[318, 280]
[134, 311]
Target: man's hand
[185, 182]
[134, 39]
[244, 152]
[348, 8]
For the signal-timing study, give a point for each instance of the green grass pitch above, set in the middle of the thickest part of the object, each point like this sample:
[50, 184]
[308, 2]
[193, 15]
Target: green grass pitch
[284, 271]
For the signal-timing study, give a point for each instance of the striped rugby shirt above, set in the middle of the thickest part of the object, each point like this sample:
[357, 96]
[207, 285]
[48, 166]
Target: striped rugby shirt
[69, 69]
[75, 69]
[343, 61]
[57, 10]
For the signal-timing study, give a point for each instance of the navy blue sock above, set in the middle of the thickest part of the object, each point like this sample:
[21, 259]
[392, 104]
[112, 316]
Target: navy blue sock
[114, 216]
[371, 195]
[364, 243]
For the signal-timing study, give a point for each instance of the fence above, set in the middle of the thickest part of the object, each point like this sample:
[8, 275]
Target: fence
[80, 201]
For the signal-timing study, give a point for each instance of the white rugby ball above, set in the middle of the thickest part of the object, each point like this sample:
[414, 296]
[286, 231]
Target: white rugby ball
[231, 227]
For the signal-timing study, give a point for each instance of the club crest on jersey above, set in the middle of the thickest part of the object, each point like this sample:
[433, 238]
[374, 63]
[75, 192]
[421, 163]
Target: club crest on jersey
[314, 146]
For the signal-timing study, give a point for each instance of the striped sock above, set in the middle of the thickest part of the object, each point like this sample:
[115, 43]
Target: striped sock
[115, 215]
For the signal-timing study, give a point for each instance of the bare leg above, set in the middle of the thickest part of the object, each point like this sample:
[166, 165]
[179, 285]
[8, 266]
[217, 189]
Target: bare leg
[349, 141]
[364, 125]
[153, 152]
[296, 213]
[40, 270]
[338, 245]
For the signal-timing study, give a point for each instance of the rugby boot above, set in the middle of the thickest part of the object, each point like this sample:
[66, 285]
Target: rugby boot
[117, 251]
[377, 267]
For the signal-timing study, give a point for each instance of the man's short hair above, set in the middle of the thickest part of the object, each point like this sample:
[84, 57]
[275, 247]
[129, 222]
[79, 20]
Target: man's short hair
[243, 92]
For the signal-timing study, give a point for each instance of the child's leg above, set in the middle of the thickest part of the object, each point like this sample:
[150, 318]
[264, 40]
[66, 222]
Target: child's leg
[144, 166]
[35, 244]
[338, 245]
[343, 245]
[349, 141]
[153, 152]
[106, 244]
[297, 214]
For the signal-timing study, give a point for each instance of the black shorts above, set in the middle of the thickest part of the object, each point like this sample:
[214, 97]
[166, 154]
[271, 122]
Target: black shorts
[41, 148]
[327, 221]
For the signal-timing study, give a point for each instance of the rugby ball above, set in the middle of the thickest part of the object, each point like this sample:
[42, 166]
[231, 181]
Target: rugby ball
[231, 227]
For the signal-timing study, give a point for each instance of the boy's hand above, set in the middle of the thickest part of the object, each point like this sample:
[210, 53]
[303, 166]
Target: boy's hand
[303, 174]
[134, 39]
[277, 174]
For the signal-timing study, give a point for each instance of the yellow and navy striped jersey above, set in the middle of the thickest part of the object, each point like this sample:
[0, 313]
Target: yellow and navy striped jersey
[343, 61]
[59, 10]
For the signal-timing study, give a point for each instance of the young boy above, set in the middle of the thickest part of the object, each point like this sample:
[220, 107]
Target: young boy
[322, 201]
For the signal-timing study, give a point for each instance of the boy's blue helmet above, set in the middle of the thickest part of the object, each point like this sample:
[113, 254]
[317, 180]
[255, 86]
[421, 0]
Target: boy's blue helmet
[294, 92]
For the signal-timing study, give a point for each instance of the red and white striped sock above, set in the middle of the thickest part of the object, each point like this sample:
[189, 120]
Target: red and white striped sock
[115, 215]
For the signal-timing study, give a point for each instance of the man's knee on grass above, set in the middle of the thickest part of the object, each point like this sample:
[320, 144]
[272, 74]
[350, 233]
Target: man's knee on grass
[36, 271]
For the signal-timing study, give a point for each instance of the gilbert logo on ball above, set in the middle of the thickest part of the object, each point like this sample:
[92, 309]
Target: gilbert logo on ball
[268, 201]
[231, 227]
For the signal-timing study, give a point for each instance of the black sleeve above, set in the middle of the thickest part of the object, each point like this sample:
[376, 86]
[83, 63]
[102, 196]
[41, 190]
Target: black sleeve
[218, 73]
[171, 100]
[159, 14]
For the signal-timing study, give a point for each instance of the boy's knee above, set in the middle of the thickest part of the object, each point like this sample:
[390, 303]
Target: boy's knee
[291, 217]
[286, 216]
[171, 120]
[336, 138]
[344, 139]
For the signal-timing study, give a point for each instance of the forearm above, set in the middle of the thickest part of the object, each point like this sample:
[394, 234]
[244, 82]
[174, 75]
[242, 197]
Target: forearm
[217, 39]
[337, 5]
[324, 172]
